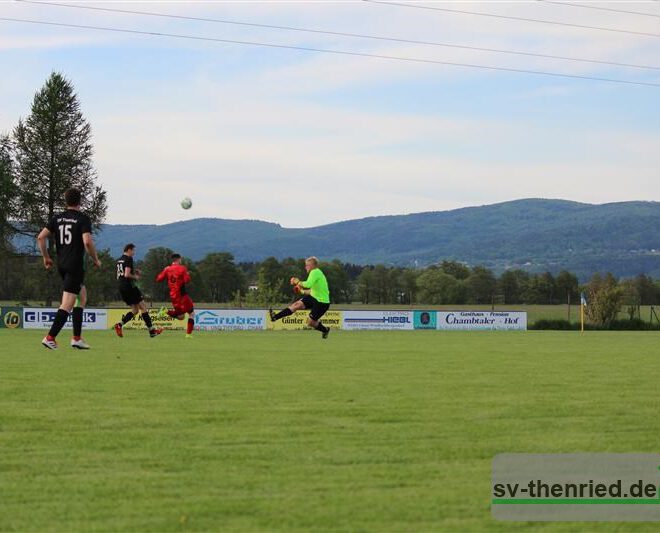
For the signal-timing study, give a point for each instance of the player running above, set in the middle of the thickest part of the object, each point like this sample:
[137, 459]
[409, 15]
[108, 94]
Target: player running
[177, 276]
[127, 274]
[72, 231]
[316, 297]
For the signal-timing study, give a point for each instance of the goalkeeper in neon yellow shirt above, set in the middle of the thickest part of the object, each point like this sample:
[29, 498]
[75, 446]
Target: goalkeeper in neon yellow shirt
[315, 296]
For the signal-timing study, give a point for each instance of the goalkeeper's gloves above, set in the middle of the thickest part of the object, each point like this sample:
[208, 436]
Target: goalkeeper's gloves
[294, 281]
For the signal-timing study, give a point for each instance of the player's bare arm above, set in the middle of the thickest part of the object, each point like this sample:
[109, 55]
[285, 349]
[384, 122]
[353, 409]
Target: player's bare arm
[42, 239]
[131, 274]
[91, 249]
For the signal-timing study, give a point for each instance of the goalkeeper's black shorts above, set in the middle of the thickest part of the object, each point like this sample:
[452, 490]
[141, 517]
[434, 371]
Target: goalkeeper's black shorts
[318, 309]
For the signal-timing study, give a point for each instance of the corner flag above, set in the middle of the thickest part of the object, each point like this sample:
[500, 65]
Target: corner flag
[583, 304]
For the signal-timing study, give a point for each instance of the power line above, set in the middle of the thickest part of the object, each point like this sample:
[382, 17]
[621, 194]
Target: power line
[600, 8]
[507, 17]
[336, 52]
[344, 34]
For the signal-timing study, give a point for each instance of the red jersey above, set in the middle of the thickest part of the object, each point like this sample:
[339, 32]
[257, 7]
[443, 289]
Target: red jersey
[177, 276]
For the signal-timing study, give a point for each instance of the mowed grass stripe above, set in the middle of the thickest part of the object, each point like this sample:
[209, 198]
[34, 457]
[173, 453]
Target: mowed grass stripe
[283, 431]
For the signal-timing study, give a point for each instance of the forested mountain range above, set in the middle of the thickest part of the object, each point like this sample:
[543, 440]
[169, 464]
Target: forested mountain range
[533, 234]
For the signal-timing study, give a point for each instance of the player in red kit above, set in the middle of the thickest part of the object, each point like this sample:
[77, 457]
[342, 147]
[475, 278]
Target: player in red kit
[177, 276]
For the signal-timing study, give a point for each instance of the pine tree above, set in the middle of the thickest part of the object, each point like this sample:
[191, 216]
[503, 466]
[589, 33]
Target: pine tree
[53, 152]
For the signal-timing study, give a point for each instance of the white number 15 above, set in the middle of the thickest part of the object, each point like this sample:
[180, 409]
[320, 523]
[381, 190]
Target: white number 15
[65, 234]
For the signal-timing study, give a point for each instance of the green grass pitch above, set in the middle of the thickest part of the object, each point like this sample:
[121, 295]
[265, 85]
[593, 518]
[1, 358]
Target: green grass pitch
[282, 431]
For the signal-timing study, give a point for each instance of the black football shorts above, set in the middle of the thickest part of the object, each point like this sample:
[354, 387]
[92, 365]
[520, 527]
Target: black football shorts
[318, 309]
[131, 295]
[72, 280]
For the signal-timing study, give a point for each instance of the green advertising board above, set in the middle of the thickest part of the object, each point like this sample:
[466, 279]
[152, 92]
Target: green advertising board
[11, 317]
[425, 320]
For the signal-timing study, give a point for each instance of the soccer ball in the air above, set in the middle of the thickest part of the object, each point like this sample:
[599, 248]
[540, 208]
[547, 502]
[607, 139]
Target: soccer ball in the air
[186, 203]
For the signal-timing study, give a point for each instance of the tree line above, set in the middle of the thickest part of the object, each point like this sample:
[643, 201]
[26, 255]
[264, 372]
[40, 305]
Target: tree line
[218, 278]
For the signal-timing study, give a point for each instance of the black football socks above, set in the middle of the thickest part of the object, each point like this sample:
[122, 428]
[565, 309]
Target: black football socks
[77, 320]
[58, 323]
[147, 320]
[320, 327]
[282, 314]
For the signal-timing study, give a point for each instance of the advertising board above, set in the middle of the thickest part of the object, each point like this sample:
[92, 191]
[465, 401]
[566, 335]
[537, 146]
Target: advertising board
[42, 318]
[11, 317]
[230, 319]
[115, 315]
[425, 320]
[396, 320]
[475, 320]
[298, 320]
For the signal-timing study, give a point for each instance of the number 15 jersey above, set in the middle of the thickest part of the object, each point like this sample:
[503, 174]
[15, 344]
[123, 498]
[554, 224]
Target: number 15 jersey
[67, 229]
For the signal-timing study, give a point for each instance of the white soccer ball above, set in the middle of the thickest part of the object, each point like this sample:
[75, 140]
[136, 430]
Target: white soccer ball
[186, 203]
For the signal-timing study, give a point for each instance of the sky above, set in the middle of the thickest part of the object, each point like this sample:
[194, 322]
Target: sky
[306, 138]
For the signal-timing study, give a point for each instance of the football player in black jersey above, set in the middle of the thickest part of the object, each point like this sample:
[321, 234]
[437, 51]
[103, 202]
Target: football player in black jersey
[72, 231]
[131, 294]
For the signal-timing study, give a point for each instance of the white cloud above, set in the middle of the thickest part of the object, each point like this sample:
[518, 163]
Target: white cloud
[231, 159]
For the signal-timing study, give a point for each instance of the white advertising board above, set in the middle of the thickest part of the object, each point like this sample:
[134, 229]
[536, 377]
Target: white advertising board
[474, 320]
[42, 318]
[232, 319]
[378, 320]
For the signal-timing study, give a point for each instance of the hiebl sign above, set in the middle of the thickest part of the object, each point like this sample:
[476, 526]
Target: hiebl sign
[213, 319]
[470, 320]
[42, 318]
[378, 320]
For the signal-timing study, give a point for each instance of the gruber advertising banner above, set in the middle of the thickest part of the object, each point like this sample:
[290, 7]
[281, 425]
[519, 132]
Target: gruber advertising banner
[228, 319]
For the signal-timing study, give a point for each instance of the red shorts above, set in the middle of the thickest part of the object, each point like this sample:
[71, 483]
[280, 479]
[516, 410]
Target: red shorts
[183, 305]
